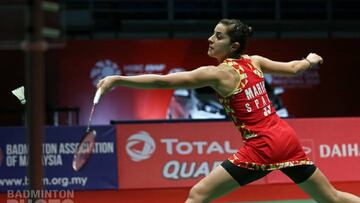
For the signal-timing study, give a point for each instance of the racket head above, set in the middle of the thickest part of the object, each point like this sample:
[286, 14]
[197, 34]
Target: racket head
[84, 150]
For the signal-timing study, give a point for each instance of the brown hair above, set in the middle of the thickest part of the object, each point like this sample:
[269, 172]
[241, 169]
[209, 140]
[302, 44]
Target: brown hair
[238, 32]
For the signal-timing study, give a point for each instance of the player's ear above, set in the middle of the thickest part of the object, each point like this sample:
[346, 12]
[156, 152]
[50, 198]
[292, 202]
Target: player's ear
[235, 46]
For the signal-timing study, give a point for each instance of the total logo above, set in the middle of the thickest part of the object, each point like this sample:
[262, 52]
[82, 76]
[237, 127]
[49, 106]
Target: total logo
[102, 69]
[140, 146]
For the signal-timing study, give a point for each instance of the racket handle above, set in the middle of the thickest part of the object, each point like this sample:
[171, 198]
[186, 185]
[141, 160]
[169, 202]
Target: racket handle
[98, 95]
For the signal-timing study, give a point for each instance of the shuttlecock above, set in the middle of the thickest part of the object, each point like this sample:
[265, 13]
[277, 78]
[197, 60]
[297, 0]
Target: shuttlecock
[20, 94]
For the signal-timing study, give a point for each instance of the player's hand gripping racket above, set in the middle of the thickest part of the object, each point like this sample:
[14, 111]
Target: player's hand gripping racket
[87, 142]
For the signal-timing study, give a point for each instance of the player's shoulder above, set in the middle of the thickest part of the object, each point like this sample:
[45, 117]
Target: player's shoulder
[210, 69]
[256, 58]
[207, 68]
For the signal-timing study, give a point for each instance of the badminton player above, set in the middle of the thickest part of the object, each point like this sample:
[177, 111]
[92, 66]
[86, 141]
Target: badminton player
[269, 142]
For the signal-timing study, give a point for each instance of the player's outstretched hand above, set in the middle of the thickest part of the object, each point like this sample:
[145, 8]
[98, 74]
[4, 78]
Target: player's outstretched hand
[106, 84]
[314, 58]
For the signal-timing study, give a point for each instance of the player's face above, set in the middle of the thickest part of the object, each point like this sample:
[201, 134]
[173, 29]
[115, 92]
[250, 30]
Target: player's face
[219, 43]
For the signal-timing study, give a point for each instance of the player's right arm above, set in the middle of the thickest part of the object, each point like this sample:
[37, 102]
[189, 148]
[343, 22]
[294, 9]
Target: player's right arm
[220, 78]
[200, 77]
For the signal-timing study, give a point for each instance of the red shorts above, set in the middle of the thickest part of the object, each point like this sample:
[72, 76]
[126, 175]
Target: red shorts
[274, 148]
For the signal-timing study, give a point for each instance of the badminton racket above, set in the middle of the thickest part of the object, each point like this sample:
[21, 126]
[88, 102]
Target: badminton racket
[87, 142]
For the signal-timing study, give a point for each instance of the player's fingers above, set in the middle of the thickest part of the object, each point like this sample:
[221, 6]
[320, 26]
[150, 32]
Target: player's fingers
[99, 84]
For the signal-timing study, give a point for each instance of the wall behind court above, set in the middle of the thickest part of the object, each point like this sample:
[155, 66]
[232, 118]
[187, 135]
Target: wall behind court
[327, 91]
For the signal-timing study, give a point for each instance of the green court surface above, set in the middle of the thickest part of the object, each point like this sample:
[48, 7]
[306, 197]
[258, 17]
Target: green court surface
[287, 201]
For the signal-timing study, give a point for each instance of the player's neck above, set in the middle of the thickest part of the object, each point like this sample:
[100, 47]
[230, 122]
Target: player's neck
[233, 56]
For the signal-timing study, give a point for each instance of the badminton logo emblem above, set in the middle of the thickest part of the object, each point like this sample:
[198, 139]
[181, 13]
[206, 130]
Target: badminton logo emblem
[102, 69]
[140, 146]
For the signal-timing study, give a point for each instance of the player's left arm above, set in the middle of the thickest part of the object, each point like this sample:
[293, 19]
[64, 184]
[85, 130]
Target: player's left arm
[293, 67]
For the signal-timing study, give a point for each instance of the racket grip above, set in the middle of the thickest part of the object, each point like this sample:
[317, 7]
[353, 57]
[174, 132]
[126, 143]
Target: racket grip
[98, 95]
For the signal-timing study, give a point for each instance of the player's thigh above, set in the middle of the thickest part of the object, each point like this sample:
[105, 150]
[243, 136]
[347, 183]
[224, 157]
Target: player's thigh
[226, 178]
[312, 181]
[319, 187]
[219, 182]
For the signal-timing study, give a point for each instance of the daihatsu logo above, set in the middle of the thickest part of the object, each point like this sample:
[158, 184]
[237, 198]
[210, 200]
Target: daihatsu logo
[307, 150]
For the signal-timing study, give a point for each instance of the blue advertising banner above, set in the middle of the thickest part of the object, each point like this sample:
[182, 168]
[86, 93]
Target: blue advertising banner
[59, 147]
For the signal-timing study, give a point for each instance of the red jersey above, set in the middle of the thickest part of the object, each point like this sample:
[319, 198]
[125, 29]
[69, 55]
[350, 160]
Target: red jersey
[269, 142]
